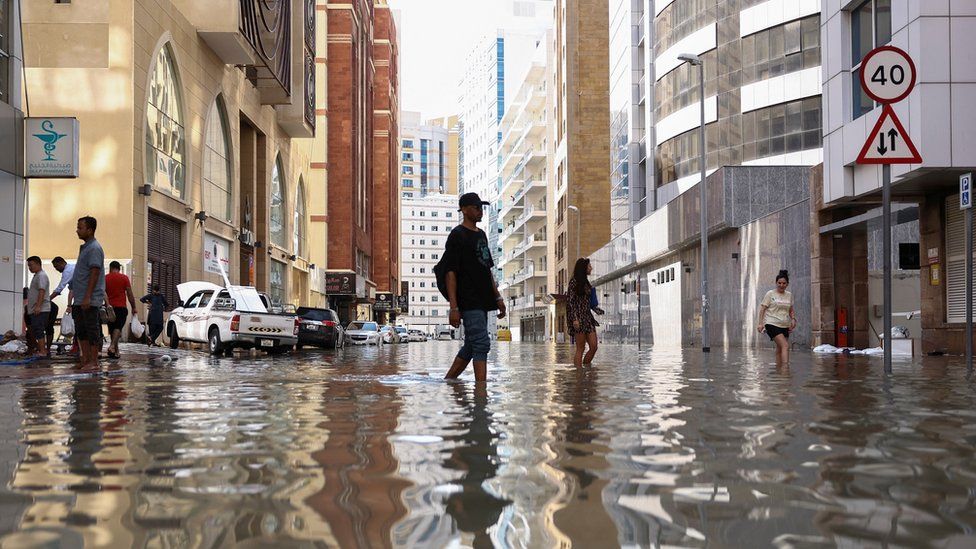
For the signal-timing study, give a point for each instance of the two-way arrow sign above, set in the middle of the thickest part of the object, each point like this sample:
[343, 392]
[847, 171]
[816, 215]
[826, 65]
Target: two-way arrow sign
[888, 142]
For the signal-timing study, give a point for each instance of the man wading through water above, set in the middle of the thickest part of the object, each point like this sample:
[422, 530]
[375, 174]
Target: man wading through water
[470, 287]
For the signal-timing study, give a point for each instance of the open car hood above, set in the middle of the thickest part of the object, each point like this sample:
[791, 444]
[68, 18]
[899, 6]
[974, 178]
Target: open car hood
[187, 289]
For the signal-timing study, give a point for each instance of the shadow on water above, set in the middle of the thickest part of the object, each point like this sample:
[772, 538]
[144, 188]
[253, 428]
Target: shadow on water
[371, 448]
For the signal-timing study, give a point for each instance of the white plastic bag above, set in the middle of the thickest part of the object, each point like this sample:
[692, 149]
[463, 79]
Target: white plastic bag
[136, 327]
[67, 325]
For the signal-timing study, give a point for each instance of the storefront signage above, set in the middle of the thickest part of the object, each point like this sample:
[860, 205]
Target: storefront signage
[51, 147]
[403, 303]
[384, 302]
[247, 233]
[340, 283]
[216, 252]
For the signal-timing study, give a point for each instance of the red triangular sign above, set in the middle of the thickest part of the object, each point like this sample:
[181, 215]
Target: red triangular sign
[888, 142]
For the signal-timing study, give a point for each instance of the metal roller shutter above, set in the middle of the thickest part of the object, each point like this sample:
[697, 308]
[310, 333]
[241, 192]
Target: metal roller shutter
[955, 272]
[164, 254]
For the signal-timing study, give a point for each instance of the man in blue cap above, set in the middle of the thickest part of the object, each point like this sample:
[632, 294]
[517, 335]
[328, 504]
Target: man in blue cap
[471, 287]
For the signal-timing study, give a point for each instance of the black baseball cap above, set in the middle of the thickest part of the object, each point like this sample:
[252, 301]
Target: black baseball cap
[471, 199]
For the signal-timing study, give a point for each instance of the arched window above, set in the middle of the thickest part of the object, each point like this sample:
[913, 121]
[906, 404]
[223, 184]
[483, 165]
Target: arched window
[277, 228]
[217, 186]
[165, 135]
[299, 236]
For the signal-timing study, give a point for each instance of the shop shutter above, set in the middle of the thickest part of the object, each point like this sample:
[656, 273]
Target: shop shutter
[164, 254]
[955, 267]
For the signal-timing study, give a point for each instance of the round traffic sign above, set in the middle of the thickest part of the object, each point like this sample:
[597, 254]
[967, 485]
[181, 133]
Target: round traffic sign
[887, 74]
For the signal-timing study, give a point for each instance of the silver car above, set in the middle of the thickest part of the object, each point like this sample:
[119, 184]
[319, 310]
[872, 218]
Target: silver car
[361, 332]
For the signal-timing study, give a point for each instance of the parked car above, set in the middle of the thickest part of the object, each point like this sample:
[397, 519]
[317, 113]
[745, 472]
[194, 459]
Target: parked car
[229, 318]
[445, 331]
[417, 335]
[404, 334]
[390, 335]
[361, 332]
[319, 328]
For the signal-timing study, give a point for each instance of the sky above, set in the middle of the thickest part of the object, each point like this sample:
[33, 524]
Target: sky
[435, 37]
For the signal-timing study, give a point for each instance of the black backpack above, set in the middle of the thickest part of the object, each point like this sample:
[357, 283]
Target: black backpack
[440, 273]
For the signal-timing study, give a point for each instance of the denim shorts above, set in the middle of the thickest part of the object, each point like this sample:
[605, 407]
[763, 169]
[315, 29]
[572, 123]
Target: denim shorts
[88, 327]
[476, 340]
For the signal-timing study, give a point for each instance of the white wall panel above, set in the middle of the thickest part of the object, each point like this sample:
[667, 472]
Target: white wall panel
[686, 119]
[698, 42]
[963, 111]
[774, 12]
[810, 157]
[962, 46]
[659, 6]
[780, 89]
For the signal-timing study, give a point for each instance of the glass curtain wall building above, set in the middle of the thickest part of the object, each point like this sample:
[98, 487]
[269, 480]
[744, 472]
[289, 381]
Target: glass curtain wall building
[762, 86]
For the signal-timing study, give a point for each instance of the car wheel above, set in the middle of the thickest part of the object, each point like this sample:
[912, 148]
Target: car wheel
[216, 347]
[174, 338]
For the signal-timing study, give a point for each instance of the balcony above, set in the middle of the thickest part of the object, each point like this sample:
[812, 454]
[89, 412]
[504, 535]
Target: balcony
[276, 49]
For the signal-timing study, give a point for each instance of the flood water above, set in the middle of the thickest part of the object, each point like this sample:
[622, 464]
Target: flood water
[370, 448]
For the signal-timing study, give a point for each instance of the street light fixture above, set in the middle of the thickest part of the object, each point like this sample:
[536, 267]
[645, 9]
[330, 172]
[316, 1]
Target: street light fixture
[578, 215]
[696, 61]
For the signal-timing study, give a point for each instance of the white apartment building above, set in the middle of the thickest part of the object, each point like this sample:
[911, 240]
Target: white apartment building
[524, 199]
[424, 157]
[425, 225]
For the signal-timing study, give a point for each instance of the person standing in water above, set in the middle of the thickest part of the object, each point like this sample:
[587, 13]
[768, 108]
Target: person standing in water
[157, 306]
[777, 317]
[582, 325]
[471, 288]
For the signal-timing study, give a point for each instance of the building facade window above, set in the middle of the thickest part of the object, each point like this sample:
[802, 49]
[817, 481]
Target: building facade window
[276, 282]
[870, 28]
[299, 238]
[277, 224]
[217, 178]
[165, 134]
[408, 143]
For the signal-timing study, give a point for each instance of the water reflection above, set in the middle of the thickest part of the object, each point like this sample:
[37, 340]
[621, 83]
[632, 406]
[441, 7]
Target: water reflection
[370, 448]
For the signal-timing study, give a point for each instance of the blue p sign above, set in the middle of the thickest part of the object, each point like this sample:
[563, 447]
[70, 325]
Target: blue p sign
[966, 191]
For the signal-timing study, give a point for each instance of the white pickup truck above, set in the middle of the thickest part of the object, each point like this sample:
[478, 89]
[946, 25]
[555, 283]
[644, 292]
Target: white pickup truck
[229, 318]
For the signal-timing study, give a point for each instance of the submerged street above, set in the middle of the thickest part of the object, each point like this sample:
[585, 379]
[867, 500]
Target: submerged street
[368, 447]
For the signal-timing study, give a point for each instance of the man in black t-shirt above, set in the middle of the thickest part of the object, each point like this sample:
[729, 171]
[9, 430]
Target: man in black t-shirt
[471, 287]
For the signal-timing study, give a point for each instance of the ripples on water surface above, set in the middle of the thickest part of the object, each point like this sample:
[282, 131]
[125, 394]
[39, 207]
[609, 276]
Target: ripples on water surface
[369, 448]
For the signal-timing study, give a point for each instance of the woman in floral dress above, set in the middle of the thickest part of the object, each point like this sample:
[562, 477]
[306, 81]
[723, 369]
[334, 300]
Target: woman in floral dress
[582, 325]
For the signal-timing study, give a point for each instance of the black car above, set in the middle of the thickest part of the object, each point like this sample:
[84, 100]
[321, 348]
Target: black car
[319, 328]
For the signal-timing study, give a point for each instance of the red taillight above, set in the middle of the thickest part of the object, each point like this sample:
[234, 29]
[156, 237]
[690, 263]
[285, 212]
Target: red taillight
[235, 323]
[329, 323]
[297, 324]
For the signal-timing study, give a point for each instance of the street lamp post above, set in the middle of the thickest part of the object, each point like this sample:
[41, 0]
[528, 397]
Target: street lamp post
[578, 235]
[696, 61]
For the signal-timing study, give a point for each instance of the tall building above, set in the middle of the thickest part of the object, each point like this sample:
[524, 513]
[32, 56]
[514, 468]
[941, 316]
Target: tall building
[631, 111]
[426, 223]
[386, 159]
[195, 139]
[579, 139]
[928, 238]
[362, 145]
[495, 67]
[12, 189]
[428, 156]
[451, 151]
[525, 197]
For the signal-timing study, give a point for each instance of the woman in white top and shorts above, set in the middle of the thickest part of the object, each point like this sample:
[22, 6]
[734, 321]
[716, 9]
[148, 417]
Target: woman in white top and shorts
[777, 318]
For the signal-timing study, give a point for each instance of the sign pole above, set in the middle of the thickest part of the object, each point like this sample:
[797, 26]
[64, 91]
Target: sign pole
[969, 289]
[886, 236]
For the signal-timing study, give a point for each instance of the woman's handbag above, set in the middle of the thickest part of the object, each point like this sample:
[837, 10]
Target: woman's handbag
[594, 302]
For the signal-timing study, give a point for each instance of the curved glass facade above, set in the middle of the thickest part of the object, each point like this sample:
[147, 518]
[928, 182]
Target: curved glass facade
[735, 137]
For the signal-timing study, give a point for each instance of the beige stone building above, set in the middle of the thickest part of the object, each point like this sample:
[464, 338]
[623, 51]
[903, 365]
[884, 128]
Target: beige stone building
[579, 140]
[197, 136]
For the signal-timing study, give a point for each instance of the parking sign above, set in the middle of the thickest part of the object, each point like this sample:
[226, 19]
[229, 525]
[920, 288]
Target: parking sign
[966, 191]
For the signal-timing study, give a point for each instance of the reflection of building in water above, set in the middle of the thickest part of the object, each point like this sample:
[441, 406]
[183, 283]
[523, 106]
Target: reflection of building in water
[361, 499]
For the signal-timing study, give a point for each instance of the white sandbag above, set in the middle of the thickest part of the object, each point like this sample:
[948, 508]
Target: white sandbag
[67, 325]
[15, 346]
[874, 351]
[136, 327]
[825, 349]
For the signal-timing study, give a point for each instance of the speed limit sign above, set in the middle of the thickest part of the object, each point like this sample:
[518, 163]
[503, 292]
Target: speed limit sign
[887, 74]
